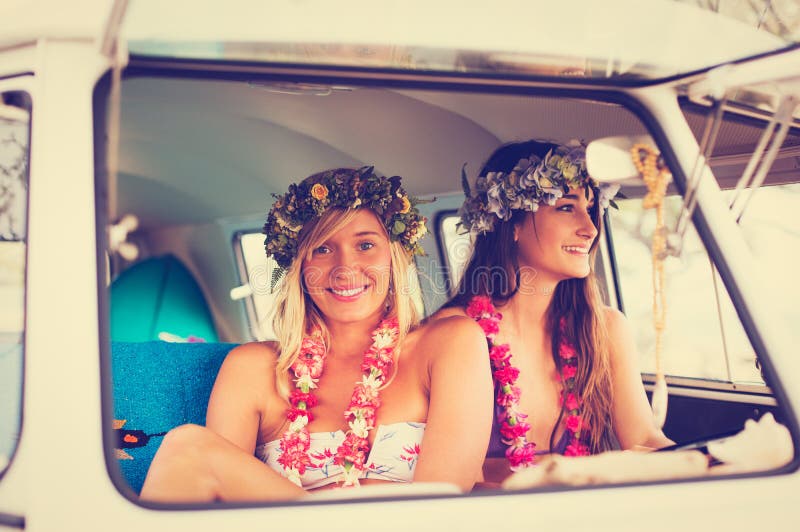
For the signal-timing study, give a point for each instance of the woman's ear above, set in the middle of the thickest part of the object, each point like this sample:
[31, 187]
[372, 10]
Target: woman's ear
[517, 229]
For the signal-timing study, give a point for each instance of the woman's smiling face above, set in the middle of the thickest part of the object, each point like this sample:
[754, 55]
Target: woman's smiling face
[555, 240]
[348, 275]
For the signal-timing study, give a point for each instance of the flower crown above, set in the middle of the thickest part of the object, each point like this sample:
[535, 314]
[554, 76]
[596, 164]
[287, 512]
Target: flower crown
[530, 182]
[342, 189]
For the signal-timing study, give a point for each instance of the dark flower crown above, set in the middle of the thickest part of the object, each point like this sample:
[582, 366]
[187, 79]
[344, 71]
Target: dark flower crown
[338, 189]
[529, 183]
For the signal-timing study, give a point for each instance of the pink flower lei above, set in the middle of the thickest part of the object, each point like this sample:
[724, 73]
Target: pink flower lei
[513, 427]
[360, 415]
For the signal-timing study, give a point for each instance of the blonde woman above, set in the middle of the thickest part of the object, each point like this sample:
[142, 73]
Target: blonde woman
[353, 392]
[564, 364]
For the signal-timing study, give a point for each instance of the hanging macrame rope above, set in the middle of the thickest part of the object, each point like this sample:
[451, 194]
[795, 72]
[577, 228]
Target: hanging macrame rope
[656, 178]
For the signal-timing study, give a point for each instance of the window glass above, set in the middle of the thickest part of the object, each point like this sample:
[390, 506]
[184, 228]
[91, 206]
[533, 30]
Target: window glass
[703, 337]
[771, 230]
[13, 204]
[457, 248]
[194, 178]
[259, 270]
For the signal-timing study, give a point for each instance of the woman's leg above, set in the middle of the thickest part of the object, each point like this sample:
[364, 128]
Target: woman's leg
[194, 464]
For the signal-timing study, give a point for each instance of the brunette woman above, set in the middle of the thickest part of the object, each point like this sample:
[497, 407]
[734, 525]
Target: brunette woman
[564, 364]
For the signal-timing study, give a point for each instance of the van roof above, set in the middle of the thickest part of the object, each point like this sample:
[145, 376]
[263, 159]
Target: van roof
[631, 38]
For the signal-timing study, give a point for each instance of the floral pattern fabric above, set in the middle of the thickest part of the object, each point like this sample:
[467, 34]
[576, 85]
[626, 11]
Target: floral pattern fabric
[393, 456]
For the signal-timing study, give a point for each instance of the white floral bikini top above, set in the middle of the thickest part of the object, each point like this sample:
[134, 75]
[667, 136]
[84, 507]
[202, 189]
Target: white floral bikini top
[393, 456]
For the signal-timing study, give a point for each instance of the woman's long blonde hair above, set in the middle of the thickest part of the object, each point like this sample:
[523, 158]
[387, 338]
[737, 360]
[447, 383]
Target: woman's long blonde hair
[296, 315]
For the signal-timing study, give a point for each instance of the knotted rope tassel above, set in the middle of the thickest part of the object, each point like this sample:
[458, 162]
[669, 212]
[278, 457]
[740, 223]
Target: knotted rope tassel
[656, 177]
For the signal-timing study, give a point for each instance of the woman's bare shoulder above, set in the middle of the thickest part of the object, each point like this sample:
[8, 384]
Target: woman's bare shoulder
[612, 313]
[453, 333]
[256, 358]
[446, 312]
[247, 376]
[620, 335]
[616, 322]
[243, 392]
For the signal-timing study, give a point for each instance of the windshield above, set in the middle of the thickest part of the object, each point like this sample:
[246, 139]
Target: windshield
[617, 38]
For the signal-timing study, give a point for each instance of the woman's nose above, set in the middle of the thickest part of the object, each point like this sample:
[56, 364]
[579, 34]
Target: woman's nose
[347, 266]
[587, 228]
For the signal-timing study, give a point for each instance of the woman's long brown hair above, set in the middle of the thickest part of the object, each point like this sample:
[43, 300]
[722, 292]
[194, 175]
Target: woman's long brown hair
[579, 304]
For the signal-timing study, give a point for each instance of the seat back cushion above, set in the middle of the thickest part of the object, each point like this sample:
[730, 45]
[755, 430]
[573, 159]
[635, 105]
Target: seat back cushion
[158, 386]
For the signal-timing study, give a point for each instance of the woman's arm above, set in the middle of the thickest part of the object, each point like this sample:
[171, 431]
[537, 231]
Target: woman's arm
[460, 403]
[241, 393]
[633, 418]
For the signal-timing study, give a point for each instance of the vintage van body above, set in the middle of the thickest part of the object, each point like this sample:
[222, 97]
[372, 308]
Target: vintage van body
[188, 116]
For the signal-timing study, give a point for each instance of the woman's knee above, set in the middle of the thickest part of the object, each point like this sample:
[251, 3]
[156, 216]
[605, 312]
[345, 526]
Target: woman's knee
[186, 434]
[188, 441]
[182, 461]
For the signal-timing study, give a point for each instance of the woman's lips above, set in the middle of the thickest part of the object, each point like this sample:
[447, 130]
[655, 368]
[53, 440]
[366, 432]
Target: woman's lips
[347, 294]
[576, 250]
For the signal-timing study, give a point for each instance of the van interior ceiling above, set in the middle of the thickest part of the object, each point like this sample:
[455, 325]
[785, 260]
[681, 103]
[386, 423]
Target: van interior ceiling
[201, 158]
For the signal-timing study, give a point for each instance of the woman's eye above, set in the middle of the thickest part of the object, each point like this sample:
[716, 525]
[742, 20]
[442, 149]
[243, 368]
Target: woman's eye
[567, 207]
[364, 246]
[322, 250]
